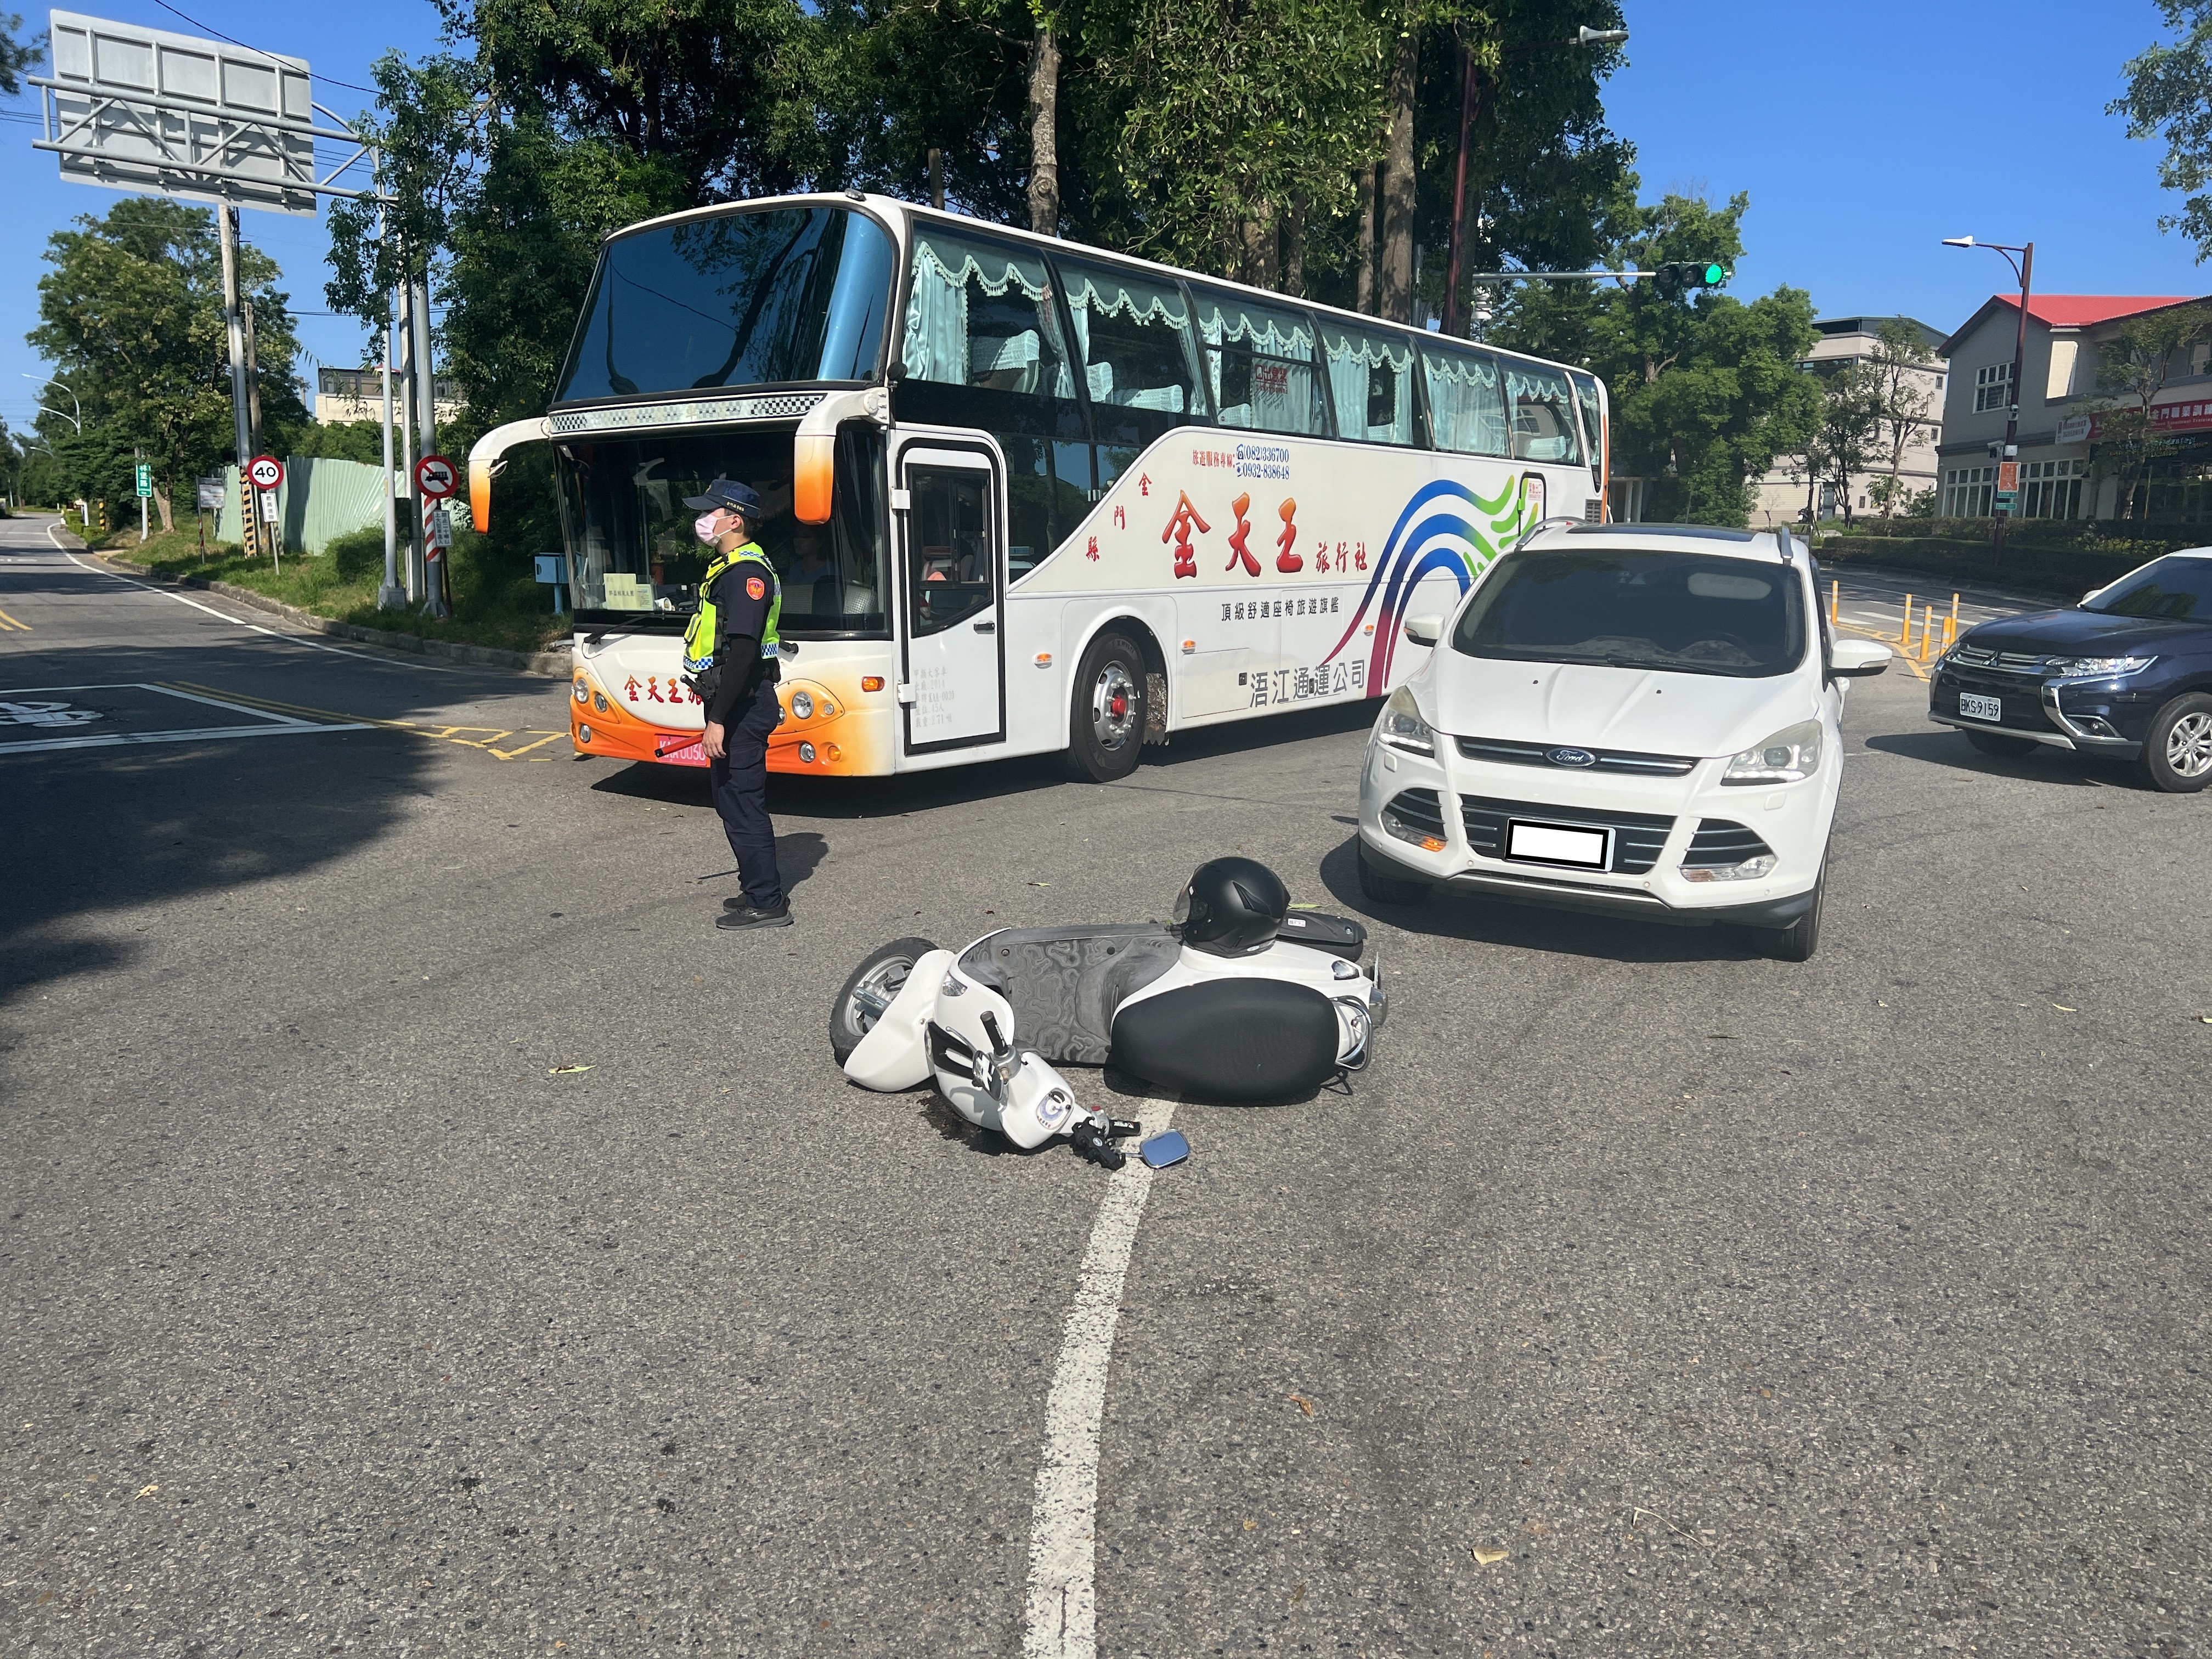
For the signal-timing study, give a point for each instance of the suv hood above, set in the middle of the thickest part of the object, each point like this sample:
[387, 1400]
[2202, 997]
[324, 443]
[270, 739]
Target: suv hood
[1593, 707]
[2076, 632]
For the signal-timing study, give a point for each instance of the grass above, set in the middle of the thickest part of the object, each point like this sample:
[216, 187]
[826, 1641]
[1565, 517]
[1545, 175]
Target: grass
[495, 602]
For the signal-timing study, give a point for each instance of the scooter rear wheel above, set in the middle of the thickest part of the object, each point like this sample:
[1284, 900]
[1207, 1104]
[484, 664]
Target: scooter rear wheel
[861, 1003]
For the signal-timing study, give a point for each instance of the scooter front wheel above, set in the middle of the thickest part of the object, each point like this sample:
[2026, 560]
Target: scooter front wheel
[870, 990]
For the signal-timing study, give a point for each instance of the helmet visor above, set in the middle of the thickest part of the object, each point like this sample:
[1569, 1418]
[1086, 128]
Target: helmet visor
[1181, 914]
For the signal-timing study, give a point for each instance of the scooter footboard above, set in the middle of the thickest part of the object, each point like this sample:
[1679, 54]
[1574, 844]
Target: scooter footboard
[1238, 1041]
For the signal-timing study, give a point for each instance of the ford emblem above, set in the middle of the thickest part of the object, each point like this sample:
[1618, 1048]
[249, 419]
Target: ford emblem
[1570, 758]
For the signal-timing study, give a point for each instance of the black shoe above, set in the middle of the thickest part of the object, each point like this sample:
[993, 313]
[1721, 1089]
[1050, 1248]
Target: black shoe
[736, 920]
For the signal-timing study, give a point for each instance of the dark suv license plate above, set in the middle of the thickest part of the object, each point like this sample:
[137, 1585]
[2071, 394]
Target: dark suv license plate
[1973, 706]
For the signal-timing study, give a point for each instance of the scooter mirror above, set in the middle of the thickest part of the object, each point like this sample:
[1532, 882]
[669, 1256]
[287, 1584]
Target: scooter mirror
[1164, 1149]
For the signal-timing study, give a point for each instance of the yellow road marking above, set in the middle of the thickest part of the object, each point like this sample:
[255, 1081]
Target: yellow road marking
[485, 738]
[7, 621]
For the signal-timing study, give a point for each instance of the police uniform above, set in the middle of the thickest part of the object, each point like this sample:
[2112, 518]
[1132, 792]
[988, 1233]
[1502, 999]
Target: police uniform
[730, 654]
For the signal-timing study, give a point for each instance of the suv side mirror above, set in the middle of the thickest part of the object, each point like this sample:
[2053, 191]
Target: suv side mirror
[1858, 659]
[1425, 630]
[2091, 594]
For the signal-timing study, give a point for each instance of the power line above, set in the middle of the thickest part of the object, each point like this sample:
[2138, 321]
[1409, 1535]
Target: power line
[235, 41]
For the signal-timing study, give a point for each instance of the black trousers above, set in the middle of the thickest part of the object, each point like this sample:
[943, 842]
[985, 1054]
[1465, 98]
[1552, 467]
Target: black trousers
[740, 784]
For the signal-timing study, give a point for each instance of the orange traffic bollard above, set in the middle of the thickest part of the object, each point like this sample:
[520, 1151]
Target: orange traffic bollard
[1905, 639]
[1835, 603]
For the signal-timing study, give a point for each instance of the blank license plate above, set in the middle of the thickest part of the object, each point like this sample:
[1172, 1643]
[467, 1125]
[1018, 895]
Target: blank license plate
[1971, 707]
[1558, 843]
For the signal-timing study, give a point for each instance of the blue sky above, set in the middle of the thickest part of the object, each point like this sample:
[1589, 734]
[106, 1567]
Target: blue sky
[1864, 135]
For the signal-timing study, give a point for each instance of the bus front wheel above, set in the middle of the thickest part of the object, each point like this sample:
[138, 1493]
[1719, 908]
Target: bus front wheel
[1106, 726]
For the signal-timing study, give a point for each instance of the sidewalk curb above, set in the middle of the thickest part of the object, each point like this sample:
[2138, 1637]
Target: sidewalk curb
[553, 664]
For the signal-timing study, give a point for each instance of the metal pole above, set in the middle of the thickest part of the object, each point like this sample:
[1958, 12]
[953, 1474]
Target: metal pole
[391, 596]
[427, 389]
[2012, 417]
[234, 329]
[267, 523]
[1452, 313]
[404, 329]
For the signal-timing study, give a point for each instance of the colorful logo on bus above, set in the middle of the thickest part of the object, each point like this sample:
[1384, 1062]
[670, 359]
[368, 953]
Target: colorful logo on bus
[1445, 526]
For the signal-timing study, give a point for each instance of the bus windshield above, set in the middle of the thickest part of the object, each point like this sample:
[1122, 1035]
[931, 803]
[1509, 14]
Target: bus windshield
[777, 296]
[637, 563]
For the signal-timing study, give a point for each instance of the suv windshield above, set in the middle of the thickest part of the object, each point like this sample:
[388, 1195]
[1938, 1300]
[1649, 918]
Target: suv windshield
[1685, 613]
[2172, 589]
[771, 297]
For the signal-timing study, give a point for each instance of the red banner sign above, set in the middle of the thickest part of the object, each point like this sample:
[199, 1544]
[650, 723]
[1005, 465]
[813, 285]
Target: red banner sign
[2164, 419]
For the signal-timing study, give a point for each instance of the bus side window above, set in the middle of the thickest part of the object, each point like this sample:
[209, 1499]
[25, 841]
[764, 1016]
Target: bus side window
[1370, 378]
[1467, 411]
[1261, 366]
[1543, 413]
[1133, 338]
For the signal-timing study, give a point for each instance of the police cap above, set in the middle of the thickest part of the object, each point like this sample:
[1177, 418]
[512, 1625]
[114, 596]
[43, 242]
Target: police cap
[729, 494]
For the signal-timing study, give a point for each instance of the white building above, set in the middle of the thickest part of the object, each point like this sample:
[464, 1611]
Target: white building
[2059, 425]
[1785, 494]
[357, 394]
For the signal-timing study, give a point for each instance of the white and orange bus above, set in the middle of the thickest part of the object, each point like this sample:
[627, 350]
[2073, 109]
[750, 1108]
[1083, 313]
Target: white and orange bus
[1025, 496]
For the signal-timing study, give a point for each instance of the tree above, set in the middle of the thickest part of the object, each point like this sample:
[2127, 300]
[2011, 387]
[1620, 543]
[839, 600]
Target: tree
[131, 315]
[2170, 94]
[1847, 431]
[1899, 371]
[2138, 361]
[1705, 394]
[15, 57]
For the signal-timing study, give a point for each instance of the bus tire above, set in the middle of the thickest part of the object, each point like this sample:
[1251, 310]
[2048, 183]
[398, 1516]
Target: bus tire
[1106, 722]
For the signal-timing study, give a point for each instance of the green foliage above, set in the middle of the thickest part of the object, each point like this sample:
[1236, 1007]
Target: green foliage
[340, 440]
[1705, 395]
[2170, 95]
[17, 55]
[131, 315]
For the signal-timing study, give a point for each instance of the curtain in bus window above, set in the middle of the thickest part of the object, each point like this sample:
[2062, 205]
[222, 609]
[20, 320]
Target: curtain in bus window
[1261, 366]
[1543, 413]
[982, 315]
[1371, 378]
[1467, 411]
[1593, 422]
[1134, 338]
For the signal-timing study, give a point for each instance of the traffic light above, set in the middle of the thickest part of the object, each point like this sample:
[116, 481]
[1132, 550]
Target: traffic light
[1680, 276]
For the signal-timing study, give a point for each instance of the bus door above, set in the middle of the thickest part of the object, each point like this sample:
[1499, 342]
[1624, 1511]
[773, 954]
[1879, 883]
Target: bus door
[954, 559]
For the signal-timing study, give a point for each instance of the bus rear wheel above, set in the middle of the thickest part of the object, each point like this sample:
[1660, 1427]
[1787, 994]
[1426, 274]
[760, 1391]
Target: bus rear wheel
[1106, 724]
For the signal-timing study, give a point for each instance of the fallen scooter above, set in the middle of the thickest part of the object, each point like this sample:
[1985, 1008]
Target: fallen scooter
[1237, 1001]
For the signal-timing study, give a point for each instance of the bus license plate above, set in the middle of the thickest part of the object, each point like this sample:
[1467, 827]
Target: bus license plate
[1971, 707]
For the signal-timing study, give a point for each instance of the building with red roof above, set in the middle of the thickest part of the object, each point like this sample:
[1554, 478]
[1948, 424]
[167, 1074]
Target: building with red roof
[2059, 475]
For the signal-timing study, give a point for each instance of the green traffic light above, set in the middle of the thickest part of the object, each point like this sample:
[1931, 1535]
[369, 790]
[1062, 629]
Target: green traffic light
[1716, 275]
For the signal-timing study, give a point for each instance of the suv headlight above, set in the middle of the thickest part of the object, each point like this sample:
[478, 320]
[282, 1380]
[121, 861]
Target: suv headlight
[1402, 727]
[1790, 756]
[2096, 668]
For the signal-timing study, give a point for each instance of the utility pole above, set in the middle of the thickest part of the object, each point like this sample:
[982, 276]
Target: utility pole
[404, 485]
[265, 523]
[234, 331]
[1474, 90]
[391, 596]
[427, 388]
[2024, 269]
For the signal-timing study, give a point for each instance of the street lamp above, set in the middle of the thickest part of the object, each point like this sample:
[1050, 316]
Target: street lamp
[75, 420]
[2024, 269]
[1471, 89]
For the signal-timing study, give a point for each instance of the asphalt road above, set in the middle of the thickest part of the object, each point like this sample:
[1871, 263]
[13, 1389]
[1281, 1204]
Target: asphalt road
[1733, 1307]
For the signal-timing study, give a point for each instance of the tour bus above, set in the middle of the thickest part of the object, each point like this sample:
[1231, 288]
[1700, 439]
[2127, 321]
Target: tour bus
[1023, 496]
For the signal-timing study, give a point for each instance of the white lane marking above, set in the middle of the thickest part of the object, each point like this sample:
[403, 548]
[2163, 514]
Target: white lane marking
[116, 740]
[1062, 1613]
[239, 622]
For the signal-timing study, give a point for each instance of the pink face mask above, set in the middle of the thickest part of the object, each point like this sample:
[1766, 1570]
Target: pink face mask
[703, 526]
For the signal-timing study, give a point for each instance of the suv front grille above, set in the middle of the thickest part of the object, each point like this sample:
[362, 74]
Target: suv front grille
[1638, 837]
[1608, 760]
[1719, 843]
[2003, 662]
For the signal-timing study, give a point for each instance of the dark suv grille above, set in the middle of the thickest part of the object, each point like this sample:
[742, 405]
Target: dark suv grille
[1608, 760]
[2004, 662]
[1637, 836]
[1719, 844]
[1419, 808]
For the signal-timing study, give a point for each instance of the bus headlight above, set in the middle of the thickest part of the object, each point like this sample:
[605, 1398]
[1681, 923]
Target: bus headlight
[802, 705]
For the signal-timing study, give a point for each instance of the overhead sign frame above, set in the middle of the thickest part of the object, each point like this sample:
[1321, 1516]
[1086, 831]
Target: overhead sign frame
[133, 108]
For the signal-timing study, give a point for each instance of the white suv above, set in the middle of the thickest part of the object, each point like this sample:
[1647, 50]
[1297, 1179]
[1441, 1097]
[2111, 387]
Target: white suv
[1636, 719]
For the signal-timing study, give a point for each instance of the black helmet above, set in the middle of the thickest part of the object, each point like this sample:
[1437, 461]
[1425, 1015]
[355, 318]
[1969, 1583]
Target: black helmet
[1232, 906]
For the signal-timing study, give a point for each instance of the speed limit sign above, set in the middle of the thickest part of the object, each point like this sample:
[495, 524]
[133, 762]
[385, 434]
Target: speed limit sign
[266, 471]
[437, 477]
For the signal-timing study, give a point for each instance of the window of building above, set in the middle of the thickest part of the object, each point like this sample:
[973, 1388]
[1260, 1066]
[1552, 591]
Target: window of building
[2051, 490]
[1993, 387]
[1968, 491]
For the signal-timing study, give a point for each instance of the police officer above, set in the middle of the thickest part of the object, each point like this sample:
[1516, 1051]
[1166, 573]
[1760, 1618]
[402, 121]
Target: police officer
[730, 654]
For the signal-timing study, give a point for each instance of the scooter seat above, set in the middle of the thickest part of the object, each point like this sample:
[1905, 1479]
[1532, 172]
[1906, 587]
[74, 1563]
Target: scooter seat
[1064, 984]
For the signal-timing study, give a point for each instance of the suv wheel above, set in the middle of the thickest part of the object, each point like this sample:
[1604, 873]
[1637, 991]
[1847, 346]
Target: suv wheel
[2176, 755]
[1796, 942]
[1378, 886]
